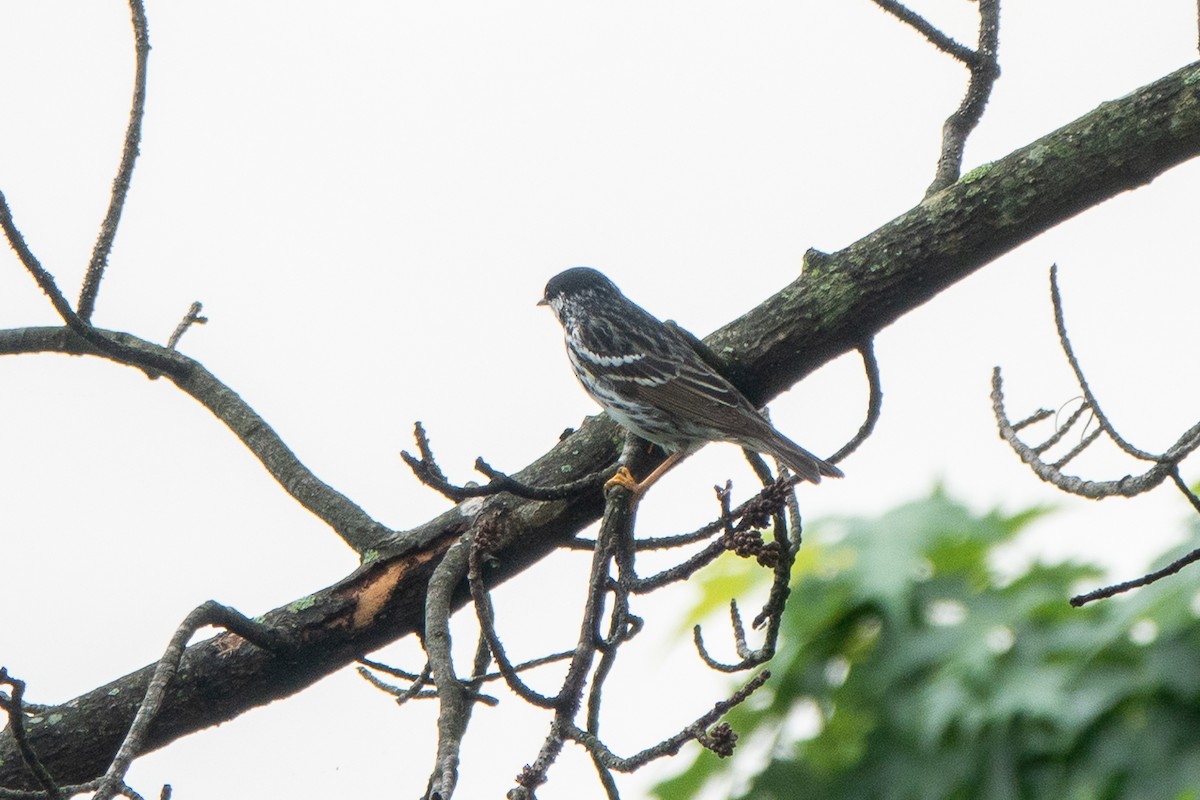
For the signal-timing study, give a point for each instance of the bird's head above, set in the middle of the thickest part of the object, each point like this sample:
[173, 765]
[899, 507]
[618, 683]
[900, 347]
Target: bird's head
[574, 287]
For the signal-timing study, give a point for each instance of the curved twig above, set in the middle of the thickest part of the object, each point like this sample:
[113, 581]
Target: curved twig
[15, 706]
[874, 402]
[346, 518]
[1090, 398]
[669, 746]
[1128, 486]
[487, 626]
[616, 524]
[427, 471]
[120, 189]
[209, 613]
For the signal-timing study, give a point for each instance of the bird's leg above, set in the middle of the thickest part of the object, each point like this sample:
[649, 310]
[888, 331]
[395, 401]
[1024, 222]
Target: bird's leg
[624, 477]
[658, 472]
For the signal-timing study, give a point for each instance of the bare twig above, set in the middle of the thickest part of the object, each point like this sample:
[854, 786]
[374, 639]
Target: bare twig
[1128, 486]
[616, 524]
[622, 626]
[192, 317]
[427, 471]
[1035, 417]
[874, 402]
[1158, 574]
[938, 39]
[120, 189]
[487, 626]
[671, 745]
[752, 514]
[402, 695]
[1185, 490]
[739, 641]
[104, 342]
[1059, 430]
[1083, 444]
[209, 613]
[985, 69]
[346, 518]
[453, 709]
[16, 723]
[1164, 464]
[779, 555]
[395, 672]
[1148, 578]
[1090, 398]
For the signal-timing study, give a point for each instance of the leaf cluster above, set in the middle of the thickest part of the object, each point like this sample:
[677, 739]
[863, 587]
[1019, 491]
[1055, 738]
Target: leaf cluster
[908, 669]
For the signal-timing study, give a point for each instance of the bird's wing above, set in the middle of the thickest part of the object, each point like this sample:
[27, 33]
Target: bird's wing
[657, 363]
[677, 380]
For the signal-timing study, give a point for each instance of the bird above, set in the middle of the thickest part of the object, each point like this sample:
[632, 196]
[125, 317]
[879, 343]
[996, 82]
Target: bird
[650, 377]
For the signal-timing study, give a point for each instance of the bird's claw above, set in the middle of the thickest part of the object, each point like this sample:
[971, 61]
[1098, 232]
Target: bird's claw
[624, 478]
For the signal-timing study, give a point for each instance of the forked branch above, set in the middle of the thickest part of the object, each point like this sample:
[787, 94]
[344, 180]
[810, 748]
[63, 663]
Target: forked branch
[1162, 465]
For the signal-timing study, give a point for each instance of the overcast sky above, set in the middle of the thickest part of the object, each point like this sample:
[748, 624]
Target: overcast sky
[368, 197]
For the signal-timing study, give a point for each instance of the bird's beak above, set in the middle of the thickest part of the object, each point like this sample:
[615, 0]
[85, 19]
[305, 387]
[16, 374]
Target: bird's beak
[542, 302]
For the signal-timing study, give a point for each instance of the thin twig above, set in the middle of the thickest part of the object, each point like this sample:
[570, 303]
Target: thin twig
[1035, 417]
[1101, 418]
[750, 515]
[1059, 430]
[1148, 578]
[427, 471]
[1151, 577]
[985, 69]
[669, 746]
[453, 708]
[16, 723]
[103, 341]
[346, 518]
[1084, 443]
[192, 317]
[120, 189]
[209, 613]
[622, 626]
[1183, 487]
[1128, 486]
[616, 524]
[938, 39]
[395, 672]
[402, 695]
[874, 402]
[487, 626]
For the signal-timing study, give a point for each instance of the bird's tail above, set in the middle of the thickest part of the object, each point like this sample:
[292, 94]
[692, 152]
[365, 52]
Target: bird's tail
[802, 463]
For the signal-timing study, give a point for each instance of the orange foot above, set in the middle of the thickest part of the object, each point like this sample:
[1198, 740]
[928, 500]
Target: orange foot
[624, 478]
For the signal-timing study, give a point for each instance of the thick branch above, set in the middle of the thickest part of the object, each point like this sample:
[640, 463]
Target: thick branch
[840, 301]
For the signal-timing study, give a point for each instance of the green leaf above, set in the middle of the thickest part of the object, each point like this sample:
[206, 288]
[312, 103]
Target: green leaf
[929, 678]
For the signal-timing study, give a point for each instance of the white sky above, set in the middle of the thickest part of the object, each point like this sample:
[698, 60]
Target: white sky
[368, 198]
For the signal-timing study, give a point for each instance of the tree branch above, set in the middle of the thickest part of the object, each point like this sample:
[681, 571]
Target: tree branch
[129, 154]
[345, 517]
[839, 301]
